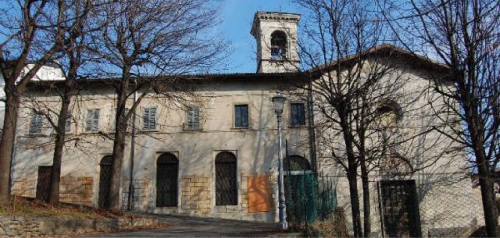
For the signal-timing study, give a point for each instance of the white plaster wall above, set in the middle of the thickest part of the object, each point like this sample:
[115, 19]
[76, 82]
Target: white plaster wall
[43, 74]
[264, 30]
[444, 190]
[255, 147]
[46, 72]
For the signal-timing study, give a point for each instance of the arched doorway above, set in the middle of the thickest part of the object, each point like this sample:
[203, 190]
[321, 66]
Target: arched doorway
[398, 198]
[105, 181]
[225, 179]
[167, 170]
[300, 190]
[296, 163]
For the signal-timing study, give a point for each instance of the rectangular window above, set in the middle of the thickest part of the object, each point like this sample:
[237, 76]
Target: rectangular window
[241, 115]
[193, 118]
[298, 117]
[69, 117]
[92, 120]
[36, 123]
[149, 119]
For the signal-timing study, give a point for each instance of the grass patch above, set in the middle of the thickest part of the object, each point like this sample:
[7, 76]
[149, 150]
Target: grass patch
[29, 207]
[335, 226]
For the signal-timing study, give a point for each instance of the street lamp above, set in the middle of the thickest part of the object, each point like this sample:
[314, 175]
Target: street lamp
[278, 104]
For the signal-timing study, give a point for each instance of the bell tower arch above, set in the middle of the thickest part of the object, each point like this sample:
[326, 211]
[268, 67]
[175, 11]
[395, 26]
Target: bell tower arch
[276, 36]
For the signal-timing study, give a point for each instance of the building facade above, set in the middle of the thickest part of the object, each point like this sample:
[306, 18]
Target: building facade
[51, 72]
[215, 153]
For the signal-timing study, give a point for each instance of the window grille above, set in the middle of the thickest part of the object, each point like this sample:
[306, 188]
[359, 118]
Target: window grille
[92, 120]
[298, 117]
[399, 206]
[193, 118]
[225, 176]
[149, 118]
[36, 123]
[241, 115]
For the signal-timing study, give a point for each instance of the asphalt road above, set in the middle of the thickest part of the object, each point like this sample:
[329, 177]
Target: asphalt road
[182, 226]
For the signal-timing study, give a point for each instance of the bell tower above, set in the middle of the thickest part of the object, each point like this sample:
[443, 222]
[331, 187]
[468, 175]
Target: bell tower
[276, 36]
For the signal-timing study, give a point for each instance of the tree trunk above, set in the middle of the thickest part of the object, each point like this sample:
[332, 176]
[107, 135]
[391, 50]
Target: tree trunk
[119, 142]
[476, 130]
[354, 196]
[7, 143]
[366, 200]
[487, 196]
[118, 154]
[55, 178]
[342, 111]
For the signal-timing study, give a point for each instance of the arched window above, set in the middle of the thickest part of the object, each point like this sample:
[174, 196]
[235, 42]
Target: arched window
[296, 163]
[388, 116]
[389, 113]
[278, 45]
[396, 165]
[167, 167]
[225, 179]
[105, 181]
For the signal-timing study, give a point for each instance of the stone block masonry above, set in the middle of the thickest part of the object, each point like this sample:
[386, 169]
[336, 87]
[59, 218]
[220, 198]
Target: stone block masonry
[75, 190]
[42, 226]
[195, 192]
[141, 193]
[25, 187]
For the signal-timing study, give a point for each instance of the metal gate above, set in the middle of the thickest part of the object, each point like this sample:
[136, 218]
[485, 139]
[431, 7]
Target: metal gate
[43, 183]
[225, 179]
[105, 181]
[399, 208]
[167, 167]
[300, 190]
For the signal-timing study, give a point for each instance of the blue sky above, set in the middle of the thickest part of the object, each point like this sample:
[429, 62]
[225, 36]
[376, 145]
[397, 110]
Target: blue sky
[236, 22]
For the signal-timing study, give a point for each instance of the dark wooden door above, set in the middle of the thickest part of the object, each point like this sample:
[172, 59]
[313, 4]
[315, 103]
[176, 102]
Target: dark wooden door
[105, 181]
[399, 208]
[43, 183]
[166, 180]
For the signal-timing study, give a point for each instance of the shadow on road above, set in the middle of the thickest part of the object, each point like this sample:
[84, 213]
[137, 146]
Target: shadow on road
[183, 226]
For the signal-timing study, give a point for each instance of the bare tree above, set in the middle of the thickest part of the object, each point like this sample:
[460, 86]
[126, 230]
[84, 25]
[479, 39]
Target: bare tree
[337, 35]
[77, 26]
[355, 81]
[27, 27]
[148, 39]
[465, 36]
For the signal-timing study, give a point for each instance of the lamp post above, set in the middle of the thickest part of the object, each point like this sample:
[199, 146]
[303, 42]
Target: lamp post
[278, 103]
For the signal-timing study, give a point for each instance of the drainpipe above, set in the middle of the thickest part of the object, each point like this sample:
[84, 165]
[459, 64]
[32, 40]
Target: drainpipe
[132, 152]
[312, 134]
[12, 162]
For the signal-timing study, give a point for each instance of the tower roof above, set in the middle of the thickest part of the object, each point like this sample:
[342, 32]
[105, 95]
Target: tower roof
[279, 16]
